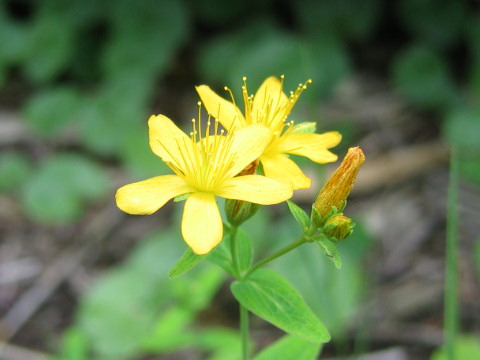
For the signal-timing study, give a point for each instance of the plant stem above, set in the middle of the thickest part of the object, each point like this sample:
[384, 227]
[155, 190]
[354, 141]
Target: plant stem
[233, 249]
[279, 253]
[451, 266]
[244, 331]
[243, 309]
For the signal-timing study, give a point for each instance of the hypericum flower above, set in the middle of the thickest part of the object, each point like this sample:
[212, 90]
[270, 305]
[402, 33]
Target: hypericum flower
[204, 167]
[271, 107]
[336, 190]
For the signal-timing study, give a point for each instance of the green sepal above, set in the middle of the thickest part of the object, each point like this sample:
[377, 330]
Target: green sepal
[181, 197]
[239, 211]
[271, 297]
[290, 348]
[188, 260]
[330, 250]
[317, 220]
[305, 127]
[299, 214]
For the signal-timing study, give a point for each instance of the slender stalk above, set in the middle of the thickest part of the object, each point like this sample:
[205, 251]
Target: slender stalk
[233, 249]
[279, 253]
[451, 266]
[243, 309]
[244, 331]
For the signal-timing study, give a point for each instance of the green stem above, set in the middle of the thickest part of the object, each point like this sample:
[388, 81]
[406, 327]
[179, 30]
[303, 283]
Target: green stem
[233, 249]
[244, 331]
[279, 253]
[243, 309]
[451, 266]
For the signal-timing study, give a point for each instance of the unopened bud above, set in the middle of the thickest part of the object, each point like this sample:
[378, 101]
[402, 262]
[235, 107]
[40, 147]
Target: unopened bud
[338, 187]
[338, 227]
[250, 168]
[239, 211]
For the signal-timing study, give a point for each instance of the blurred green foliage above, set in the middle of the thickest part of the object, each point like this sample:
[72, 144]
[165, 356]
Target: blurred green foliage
[94, 66]
[92, 69]
[14, 171]
[135, 308]
[467, 348]
[63, 185]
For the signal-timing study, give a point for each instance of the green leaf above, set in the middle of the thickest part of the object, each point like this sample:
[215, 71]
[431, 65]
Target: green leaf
[14, 39]
[171, 331]
[467, 347]
[14, 171]
[268, 295]
[434, 23]
[138, 157]
[299, 214]
[186, 262]
[305, 127]
[461, 128]
[50, 47]
[118, 109]
[49, 113]
[220, 256]
[75, 345]
[144, 37]
[119, 311]
[227, 47]
[330, 250]
[423, 78]
[244, 250]
[290, 348]
[354, 20]
[61, 188]
[280, 53]
[196, 290]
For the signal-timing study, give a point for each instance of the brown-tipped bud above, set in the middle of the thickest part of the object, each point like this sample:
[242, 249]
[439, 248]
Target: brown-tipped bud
[250, 168]
[338, 187]
[338, 227]
[239, 211]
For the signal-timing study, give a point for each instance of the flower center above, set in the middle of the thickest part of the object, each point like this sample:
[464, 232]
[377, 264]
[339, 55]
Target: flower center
[274, 108]
[205, 160]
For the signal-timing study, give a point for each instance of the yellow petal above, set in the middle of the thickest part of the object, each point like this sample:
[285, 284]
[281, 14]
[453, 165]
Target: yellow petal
[281, 168]
[313, 146]
[147, 196]
[270, 95]
[225, 111]
[256, 189]
[248, 145]
[202, 226]
[166, 137]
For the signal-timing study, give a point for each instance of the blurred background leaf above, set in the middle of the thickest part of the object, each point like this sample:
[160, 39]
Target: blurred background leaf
[422, 77]
[62, 186]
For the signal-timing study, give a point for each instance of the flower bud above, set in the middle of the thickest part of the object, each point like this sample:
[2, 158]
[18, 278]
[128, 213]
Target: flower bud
[338, 227]
[239, 211]
[338, 187]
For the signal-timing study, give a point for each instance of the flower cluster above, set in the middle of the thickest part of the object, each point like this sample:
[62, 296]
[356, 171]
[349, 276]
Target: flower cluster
[223, 163]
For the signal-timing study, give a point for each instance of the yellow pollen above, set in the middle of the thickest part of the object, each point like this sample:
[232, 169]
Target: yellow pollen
[204, 160]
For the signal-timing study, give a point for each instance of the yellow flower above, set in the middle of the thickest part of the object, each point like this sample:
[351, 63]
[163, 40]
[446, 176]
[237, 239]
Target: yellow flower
[270, 106]
[204, 167]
